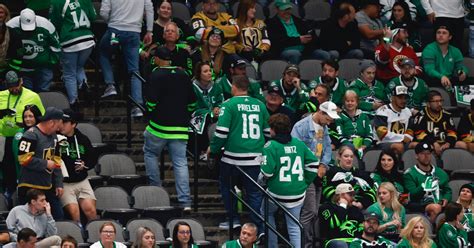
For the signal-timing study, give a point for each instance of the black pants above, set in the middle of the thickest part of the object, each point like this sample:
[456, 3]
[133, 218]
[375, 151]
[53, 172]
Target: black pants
[456, 26]
[8, 167]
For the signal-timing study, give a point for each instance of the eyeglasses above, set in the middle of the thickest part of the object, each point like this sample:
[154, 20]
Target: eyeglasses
[184, 232]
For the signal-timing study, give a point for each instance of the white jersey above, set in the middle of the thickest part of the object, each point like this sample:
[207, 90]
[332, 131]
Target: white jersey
[390, 125]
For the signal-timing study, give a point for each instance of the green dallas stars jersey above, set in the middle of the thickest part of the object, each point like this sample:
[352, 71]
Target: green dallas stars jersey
[35, 49]
[294, 100]
[72, 19]
[242, 123]
[450, 236]
[368, 95]
[379, 242]
[255, 90]
[290, 168]
[207, 100]
[427, 187]
[355, 130]
[417, 94]
[337, 91]
[404, 243]
[235, 244]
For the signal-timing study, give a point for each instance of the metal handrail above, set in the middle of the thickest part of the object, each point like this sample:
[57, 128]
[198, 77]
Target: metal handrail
[267, 196]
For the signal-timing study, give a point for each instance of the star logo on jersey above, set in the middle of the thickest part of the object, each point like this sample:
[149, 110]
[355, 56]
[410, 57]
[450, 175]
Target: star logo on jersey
[31, 49]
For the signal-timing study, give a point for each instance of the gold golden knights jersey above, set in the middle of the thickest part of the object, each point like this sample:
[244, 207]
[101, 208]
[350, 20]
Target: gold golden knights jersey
[255, 36]
[392, 126]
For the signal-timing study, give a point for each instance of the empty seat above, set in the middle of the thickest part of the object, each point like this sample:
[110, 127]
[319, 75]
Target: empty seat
[349, 69]
[459, 162]
[181, 11]
[120, 170]
[251, 72]
[94, 179]
[66, 227]
[455, 185]
[272, 70]
[91, 131]
[93, 232]
[155, 226]
[469, 63]
[54, 99]
[154, 202]
[317, 10]
[310, 69]
[196, 227]
[113, 202]
[409, 159]
[370, 159]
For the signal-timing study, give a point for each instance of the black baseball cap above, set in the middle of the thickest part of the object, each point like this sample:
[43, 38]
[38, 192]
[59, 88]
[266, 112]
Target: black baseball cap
[70, 116]
[52, 113]
[275, 89]
[423, 146]
[371, 216]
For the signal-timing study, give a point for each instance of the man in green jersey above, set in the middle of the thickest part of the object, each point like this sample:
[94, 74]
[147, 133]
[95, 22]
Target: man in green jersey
[294, 91]
[241, 131]
[330, 77]
[369, 237]
[247, 238]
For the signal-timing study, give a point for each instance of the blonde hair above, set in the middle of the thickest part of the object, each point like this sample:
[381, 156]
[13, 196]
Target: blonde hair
[406, 233]
[394, 204]
[341, 150]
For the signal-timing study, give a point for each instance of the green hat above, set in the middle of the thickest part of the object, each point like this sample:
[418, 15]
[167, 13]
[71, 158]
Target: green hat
[283, 4]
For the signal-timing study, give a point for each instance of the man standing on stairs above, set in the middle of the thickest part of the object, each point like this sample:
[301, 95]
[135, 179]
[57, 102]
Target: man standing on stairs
[240, 131]
[124, 20]
[170, 102]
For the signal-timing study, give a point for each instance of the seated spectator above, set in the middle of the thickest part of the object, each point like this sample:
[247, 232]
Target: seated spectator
[330, 77]
[69, 242]
[340, 35]
[4, 37]
[392, 51]
[354, 128]
[33, 49]
[427, 184]
[180, 56]
[369, 236]
[386, 170]
[35, 214]
[402, 14]
[182, 236]
[345, 172]
[205, 21]
[387, 9]
[415, 234]
[417, 88]
[435, 126]
[107, 237]
[253, 42]
[78, 156]
[26, 239]
[77, 41]
[247, 238]
[294, 91]
[443, 62]
[371, 92]
[466, 128]
[274, 103]
[342, 221]
[145, 238]
[238, 67]
[391, 122]
[451, 232]
[212, 52]
[289, 190]
[164, 11]
[4, 235]
[209, 99]
[388, 210]
[370, 27]
[465, 198]
[289, 37]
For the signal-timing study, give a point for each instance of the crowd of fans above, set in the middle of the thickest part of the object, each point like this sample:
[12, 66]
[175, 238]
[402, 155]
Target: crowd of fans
[283, 137]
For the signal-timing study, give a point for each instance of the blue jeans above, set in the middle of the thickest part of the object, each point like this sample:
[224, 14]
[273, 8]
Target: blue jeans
[292, 56]
[73, 71]
[293, 229]
[351, 54]
[177, 150]
[252, 195]
[38, 80]
[324, 55]
[129, 43]
[471, 41]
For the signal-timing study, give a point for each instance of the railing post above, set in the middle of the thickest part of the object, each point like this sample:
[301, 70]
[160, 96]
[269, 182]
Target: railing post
[231, 217]
[266, 221]
[129, 113]
[196, 170]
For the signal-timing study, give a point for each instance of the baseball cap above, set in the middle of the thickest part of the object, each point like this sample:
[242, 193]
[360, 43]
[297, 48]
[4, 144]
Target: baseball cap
[329, 108]
[366, 63]
[469, 186]
[11, 79]
[275, 89]
[423, 146]
[52, 113]
[399, 90]
[283, 4]
[217, 31]
[292, 68]
[408, 61]
[27, 20]
[70, 116]
[163, 53]
[344, 188]
[371, 216]
[237, 62]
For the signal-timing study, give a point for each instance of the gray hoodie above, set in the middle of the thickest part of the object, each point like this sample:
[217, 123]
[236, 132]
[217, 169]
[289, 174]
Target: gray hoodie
[21, 217]
[127, 15]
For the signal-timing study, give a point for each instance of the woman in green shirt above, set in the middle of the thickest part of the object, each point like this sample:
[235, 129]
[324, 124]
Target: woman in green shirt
[386, 170]
[371, 92]
[182, 236]
[390, 212]
[465, 199]
[415, 235]
[451, 232]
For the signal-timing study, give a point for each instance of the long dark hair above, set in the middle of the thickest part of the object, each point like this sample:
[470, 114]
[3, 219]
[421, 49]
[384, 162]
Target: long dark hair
[36, 113]
[394, 175]
[176, 243]
[411, 25]
[242, 9]
[451, 212]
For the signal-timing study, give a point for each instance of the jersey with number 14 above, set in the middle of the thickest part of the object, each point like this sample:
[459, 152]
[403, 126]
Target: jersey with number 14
[241, 130]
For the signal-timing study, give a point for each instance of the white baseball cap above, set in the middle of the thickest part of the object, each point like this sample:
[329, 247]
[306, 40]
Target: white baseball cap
[329, 108]
[27, 20]
[344, 188]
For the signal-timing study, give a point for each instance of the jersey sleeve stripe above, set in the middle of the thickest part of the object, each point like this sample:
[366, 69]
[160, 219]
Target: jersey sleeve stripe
[222, 136]
[222, 129]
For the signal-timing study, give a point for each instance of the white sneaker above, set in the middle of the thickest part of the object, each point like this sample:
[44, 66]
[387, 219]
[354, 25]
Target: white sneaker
[136, 112]
[225, 225]
[109, 91]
